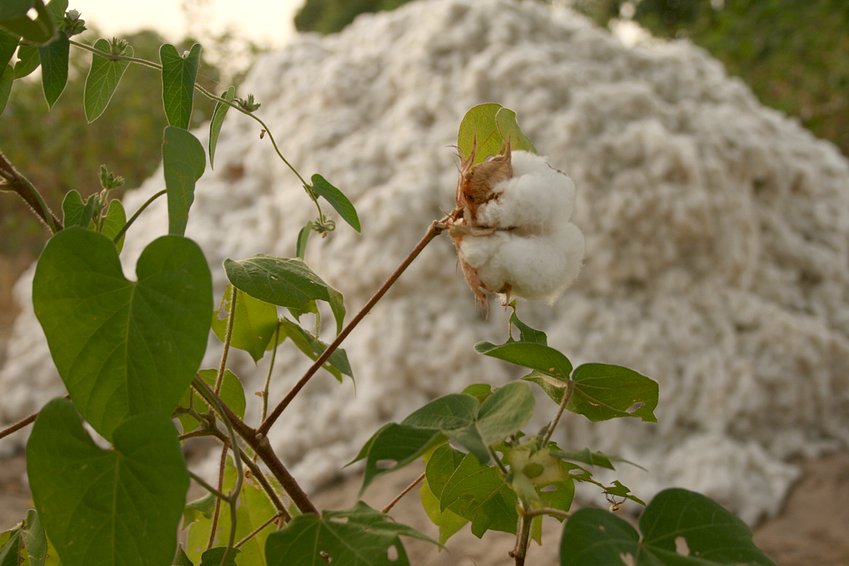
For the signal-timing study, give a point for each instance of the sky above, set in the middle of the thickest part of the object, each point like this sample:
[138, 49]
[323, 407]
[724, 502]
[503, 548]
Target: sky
[268, 22]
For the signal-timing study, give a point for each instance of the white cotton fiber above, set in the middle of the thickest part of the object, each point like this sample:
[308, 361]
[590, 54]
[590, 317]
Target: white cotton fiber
[533, 250]
[717, 240]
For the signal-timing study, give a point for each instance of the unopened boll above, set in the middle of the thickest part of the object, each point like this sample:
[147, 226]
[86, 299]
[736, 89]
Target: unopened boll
[515, 236]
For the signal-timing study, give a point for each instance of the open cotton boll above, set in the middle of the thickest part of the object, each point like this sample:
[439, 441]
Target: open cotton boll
[537, 195]
[522, 241]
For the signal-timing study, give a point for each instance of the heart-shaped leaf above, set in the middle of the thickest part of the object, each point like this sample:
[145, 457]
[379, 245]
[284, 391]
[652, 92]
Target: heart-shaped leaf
[102, 80]
[123, 347]
[107, 507]
[54, 67]
[679, 527]
[178, 83]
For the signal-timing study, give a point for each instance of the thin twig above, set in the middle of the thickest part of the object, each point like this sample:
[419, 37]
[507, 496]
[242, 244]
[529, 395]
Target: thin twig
[15, 427]
[407, 490]
[523, 537]
[261, 446]
[217, 511]
[136, 214]
[547, 511]
[436, 228]
[228, 337]
[268, 375]
[203, 483]
[257, 530]
[567, 394]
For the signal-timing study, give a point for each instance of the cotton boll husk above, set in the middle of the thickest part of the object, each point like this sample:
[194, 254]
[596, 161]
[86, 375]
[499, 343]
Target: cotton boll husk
[717, 241]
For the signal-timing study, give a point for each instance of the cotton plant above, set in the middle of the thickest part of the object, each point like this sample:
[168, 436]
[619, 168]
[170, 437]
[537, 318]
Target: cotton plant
[126, 502]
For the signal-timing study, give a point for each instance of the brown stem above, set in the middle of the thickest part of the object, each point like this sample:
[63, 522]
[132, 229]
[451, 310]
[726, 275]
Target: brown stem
[407, 490]
[436, 228]
[263, 449]
[15, 427]
[15, 182]
[217, 511]
[523, 539]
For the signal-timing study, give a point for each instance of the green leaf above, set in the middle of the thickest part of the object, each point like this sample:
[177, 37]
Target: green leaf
[359, 536]
[528, 334]
[180, 559]
[123, 347]
[253, 509]
[286, 282]
[254, 324]
[10, 547]
[102, 80]
[183, 161]
[8, 44]
[604, 391]
[214, 556]
[34, 539]
[217, 120]
[531, 355]
[54, 68]
[75, 212]
[14, 18]
[107, 507]
[28, 61]
[393, 447]
[7, 77]
[232, 394]
[449, 522]
[178, 83]
[505, 412]
[485, 128]
[337, 364]
[303, 238]
[114, 221]
[585, 456]
[337, 200]
[472, 490]
[679, 528]
[14, 8]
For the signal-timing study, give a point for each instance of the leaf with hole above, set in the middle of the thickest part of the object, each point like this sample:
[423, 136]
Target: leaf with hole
[102, 80]
[337, 200]
[359, 536]
[123, 347]
[179, 73]
[286, 282]
[107, 507]
[678, 528]
[604, 391]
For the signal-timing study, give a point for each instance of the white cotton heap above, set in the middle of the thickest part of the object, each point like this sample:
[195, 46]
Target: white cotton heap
[526, 244]
[717, 242]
